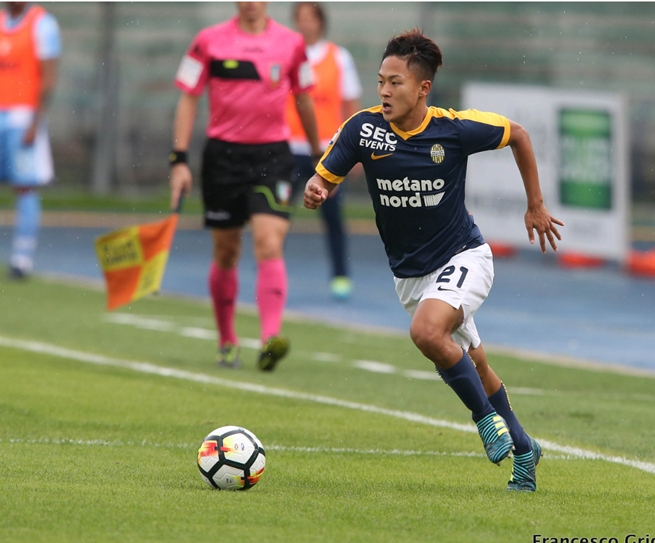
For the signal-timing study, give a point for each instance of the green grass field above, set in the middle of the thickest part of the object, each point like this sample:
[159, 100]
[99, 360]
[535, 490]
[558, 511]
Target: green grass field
[97, 447]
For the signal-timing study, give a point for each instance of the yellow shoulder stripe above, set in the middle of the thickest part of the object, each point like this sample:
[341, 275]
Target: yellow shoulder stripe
[485, 117]
[325, 174]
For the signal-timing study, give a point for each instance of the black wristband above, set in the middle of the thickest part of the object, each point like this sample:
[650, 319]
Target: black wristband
[177, 157]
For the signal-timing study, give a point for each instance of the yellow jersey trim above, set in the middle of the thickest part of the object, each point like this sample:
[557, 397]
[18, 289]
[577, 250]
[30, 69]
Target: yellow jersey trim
[329, 176]
[406, 135]
[320, 169]
[492, 119]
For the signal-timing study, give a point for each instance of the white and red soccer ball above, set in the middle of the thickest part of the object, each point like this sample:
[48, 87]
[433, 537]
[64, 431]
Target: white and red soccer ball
[231, 458]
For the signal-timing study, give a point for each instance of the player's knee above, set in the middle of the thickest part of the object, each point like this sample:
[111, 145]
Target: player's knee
[429, 339]
[268, 248]
[226, 256]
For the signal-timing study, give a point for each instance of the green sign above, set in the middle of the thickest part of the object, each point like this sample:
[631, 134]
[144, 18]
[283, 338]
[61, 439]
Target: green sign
[586, 166]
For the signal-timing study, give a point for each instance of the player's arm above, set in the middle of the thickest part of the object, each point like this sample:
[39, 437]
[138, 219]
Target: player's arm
[537, 216]
[317, 191]
[305, 109]
[47, 41]
[49, 71]
[185, 115]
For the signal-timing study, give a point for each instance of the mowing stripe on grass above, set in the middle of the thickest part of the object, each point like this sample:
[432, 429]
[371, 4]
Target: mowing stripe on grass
[145, 367]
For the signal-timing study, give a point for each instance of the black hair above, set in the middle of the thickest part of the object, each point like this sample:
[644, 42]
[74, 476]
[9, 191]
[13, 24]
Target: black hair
[423, 56]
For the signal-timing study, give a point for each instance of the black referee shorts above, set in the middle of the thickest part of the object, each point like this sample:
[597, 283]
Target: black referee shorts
[239, 180]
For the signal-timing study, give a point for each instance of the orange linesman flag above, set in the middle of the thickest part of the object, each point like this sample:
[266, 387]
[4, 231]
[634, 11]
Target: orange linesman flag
[134, 259]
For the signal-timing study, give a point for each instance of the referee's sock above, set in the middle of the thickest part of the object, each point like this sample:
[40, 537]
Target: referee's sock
[223, 286]
[26, 230]
[465, 381]
[271, 293]
[500, 402]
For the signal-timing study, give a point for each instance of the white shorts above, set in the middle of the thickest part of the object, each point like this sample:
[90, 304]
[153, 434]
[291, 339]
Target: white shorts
[465, 281]
[20, 165]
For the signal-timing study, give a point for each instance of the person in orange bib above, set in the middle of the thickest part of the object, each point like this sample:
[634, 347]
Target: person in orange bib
[336, 94]
[30, 46]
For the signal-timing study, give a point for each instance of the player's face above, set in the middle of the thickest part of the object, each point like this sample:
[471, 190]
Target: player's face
[309, 25]
[252, 11]
[401, 93]
[16, 8]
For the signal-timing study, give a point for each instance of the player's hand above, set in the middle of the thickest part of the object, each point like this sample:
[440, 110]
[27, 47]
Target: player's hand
[538, 218]
[181, 181]
[30, 134]
[314, 196]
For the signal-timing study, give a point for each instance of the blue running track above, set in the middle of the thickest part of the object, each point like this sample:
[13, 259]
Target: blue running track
[601, 315]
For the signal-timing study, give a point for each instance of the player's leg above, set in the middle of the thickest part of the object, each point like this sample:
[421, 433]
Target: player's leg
[223, 287]
[431, 329]
[499, 399]
[269, 233]
[442, 305]
[26, 232]
[340, 285]
[225, 212]
[269, 212]
[527, 452]
[29, 167]
[302, 171]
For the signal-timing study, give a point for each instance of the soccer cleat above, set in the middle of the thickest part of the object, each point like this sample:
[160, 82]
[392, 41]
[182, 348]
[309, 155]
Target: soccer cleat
[495, 437]
[228, 357]
[18, 274]
[524, 476]
[341, 288]
[272, 352]
[536, 451]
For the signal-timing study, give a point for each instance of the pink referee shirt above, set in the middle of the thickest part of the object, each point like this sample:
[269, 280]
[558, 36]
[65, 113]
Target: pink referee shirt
[248, 77]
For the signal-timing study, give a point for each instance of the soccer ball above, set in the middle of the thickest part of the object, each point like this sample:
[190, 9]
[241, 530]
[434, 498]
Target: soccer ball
[231, 458]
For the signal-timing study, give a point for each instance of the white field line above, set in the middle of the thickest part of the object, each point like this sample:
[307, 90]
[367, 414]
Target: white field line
[159, 325]
[276, 448]
[146, 367]
[193, 446]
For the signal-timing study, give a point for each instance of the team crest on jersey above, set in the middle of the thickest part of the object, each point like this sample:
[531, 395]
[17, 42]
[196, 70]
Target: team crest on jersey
[437, 153]
[283, 191]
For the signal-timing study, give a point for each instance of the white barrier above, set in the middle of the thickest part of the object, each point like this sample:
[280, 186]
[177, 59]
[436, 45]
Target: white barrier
[581, 144]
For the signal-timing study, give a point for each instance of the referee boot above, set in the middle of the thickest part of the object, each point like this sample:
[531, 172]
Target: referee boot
[272, 352]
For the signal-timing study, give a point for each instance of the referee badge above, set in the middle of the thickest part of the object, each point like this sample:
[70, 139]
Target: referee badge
[283, 192]
[437, 153]
[276, 72]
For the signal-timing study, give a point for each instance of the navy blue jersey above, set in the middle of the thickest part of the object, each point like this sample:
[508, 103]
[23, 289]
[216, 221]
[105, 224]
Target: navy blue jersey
[416, 180]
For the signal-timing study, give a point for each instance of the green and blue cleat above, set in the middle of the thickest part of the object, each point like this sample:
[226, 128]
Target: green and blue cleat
[341, 288]
[272, 352]
[524, 475]
[495, 437]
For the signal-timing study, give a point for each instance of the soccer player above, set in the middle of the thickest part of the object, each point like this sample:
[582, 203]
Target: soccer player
[30, 46]
[336, 95]
[414, 158]
[249, 65]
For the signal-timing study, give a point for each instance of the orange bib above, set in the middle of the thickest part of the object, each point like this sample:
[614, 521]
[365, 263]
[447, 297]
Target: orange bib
[326, 95]
[20, 72]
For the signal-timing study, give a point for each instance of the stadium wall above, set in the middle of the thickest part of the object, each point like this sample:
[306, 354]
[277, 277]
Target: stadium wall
[604, 46]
